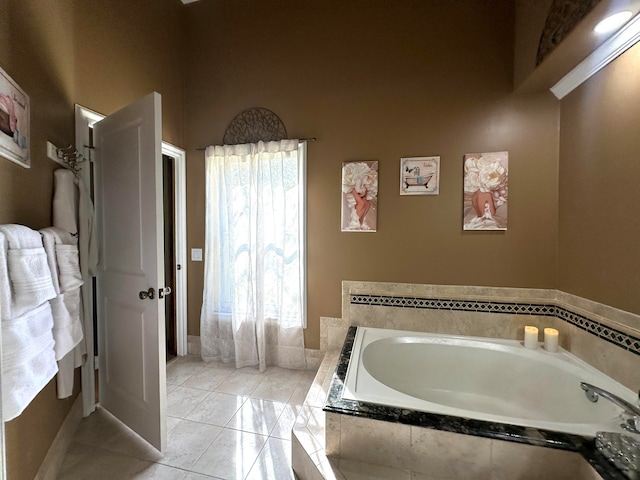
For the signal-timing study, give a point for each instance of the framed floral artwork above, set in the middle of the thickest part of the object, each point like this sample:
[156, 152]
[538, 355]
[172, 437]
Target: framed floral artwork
[486, 191]
[359, 196]
[420, 176]
[14, 121]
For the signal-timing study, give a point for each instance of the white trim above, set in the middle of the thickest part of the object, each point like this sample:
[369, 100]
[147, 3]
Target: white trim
[611, 49]
[180, 218]
[84, 119]
[302, 150]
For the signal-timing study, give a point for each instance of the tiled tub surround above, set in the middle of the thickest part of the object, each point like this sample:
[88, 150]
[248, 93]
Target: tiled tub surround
[348, 446]
[441, 447]
[494, 380]
[604, 337]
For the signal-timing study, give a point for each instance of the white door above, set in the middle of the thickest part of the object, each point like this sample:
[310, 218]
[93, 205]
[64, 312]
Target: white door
[131, 347]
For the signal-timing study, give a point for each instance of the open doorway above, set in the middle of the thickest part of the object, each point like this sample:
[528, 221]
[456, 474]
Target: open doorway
[170, 264]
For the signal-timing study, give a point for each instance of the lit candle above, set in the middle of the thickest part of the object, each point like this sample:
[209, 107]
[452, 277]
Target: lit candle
[531, 337]
[551, 339]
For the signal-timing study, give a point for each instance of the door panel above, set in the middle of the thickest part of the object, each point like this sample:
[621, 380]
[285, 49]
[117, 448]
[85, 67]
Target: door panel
[129, 219]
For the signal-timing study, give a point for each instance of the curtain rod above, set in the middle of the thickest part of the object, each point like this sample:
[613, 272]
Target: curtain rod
[310, 139]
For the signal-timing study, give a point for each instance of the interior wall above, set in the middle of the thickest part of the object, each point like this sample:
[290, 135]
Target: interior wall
[530, 19]
[124, 50]
[599, 194]
[37, 53]
[378, 82]
[63, 52]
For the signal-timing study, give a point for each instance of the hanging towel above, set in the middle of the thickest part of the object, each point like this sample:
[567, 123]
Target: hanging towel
[73, 212]
[88, 243]
[26, 335]
[27, 269]
[28, 357]
[68, 266]
[30, 277]
[65, 201]
[62, 256]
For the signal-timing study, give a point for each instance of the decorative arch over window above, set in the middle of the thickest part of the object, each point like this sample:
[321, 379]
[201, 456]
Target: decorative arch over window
[254, 125]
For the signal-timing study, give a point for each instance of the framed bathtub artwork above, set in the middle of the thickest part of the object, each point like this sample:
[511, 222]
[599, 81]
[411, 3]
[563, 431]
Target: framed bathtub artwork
[14, 121]
[359, 211]
[486, 191]
[420, 176]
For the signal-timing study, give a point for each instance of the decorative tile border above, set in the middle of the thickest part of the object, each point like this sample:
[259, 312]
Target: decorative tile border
[612, 335]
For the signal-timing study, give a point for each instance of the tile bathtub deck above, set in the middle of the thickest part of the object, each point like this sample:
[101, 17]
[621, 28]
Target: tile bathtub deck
[524, 435]
[222, 423]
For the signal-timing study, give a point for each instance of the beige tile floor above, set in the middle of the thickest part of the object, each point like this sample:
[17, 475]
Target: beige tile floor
[222, 423]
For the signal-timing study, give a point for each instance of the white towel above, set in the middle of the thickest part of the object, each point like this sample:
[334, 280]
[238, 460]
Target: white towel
[68, 267]
[25, 278]
[30, 277]
[6, 310]
[88, 242]
[23, 336]
[73, 211]
[62, 255]
[65, 201]
[20, 236]
[28, 356]
[28, 359]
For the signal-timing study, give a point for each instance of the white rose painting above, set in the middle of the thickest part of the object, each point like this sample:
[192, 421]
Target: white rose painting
[486, 189]
[359, 196]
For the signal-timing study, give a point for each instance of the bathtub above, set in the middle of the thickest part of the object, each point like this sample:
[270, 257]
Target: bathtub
[488, 379]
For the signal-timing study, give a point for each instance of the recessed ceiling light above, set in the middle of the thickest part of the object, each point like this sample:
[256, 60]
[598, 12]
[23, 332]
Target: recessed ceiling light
[612, 22]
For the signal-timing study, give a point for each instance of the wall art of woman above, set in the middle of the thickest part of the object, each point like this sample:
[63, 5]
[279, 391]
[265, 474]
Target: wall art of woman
[486, 191]
[359, 196]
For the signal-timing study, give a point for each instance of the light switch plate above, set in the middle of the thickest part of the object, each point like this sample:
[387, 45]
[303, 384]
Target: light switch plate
[196, 254]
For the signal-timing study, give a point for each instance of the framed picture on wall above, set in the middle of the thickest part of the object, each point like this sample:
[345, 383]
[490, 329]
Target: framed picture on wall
[14, 121]
[359, 196]
[486, 191]
[420, 176]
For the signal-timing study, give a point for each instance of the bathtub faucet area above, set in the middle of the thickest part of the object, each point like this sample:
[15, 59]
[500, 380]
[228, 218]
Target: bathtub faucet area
[593, 393]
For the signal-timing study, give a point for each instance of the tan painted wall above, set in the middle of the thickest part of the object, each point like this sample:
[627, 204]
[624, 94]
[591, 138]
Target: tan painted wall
[103, 56]
[38, 54]
[126, 49]
[378, 81]
[371, 82]
[599, 257]
[530, 19]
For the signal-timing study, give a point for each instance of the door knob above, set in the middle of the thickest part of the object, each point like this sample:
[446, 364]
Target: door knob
[150, 294]
[163, 292]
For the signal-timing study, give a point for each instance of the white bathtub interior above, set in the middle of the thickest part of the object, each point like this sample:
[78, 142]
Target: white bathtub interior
[481, 378]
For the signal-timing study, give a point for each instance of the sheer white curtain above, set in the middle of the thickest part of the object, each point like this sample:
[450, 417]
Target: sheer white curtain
[252, 310]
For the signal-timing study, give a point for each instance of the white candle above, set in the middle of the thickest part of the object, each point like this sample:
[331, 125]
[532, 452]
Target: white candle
[531, 337]
[551, 340]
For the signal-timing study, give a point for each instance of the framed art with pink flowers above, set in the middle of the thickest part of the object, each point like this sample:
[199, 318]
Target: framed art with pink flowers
[14, 121]
[486, 191]
[359, 196]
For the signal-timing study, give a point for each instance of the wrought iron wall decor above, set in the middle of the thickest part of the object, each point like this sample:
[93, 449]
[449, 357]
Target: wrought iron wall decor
[254, 125]
[563, 16]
